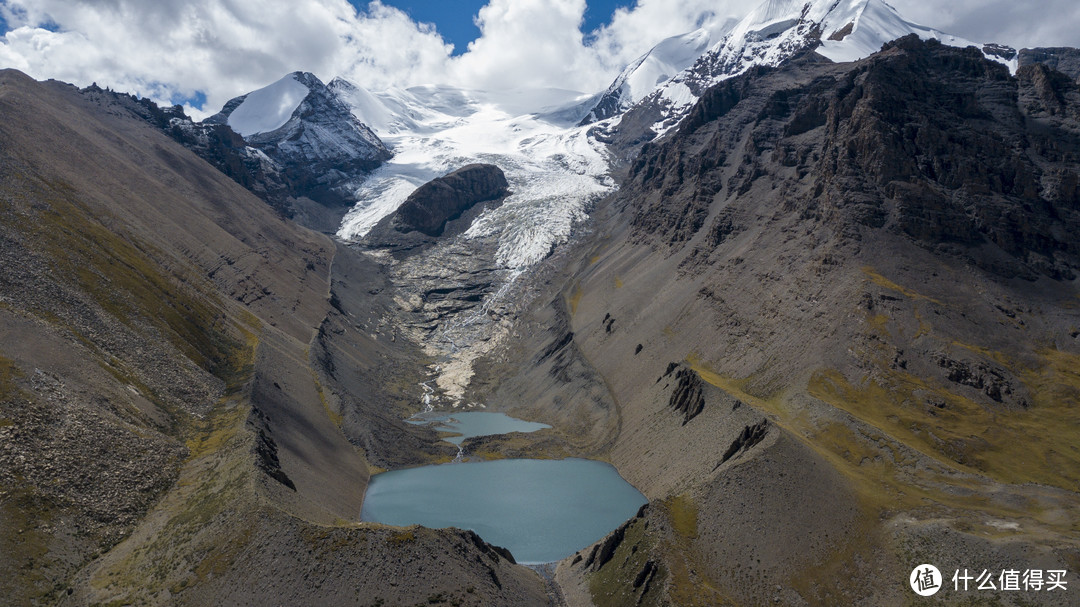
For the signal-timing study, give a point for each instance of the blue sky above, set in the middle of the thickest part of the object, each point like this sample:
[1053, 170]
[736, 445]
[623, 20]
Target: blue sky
[454, 20]
[204, 52]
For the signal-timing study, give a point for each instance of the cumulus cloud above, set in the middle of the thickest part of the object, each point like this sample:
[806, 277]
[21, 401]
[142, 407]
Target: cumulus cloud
[528, 43]
[223, 48]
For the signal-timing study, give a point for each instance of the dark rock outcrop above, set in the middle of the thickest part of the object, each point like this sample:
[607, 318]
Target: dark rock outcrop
[309, 167]
[750, 436]
[994, 382]
[603, 551]
[432, 205]
[688, 395]
[443, 207]
[322, 148]
[266, 450]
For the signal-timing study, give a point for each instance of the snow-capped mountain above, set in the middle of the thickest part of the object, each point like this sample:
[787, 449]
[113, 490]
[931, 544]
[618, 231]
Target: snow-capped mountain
[555, 162]
[552, 145]
[841, 30]
[306, 130]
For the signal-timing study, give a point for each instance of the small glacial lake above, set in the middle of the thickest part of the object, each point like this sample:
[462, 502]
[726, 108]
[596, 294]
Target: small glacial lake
[477, 423]
[541, 510]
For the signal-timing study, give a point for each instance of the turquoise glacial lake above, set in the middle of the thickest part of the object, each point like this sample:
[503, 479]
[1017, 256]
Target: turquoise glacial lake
[477, 423]
[541, 510]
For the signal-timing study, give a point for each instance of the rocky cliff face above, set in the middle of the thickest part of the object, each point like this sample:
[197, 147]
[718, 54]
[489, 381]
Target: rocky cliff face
[322, 146]
[948, 159]
[1062, 59]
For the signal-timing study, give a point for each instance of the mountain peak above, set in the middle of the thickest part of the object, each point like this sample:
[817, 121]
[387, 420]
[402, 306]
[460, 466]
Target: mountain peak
[268, 108]
[772, 33]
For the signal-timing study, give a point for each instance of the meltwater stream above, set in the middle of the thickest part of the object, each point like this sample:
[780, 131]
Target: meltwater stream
[541, 510]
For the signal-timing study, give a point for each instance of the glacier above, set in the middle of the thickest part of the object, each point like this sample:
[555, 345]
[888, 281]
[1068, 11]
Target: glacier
[555, 169]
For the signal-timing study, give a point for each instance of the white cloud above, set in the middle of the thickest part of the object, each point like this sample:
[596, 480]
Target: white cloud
[225, 48]
[528, 43]
[221, 47]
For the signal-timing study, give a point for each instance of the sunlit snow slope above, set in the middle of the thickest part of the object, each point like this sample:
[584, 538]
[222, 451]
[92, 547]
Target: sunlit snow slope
[268, 108]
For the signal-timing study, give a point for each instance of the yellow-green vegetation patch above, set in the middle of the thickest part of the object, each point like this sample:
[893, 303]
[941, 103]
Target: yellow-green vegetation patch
[880, 323]
[684, 512]
[9, 372]
[991, 440]
[575, 298]
[336, 417]
[613, 585]
[687, 582]
[882, 464]
[201, 526]
[401, 537]
[213, 433]
[24, 546]
[881, 281]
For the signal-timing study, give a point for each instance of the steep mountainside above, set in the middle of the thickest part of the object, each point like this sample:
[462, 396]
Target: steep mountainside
[192, 389]
[643, 75]
[836, 317]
